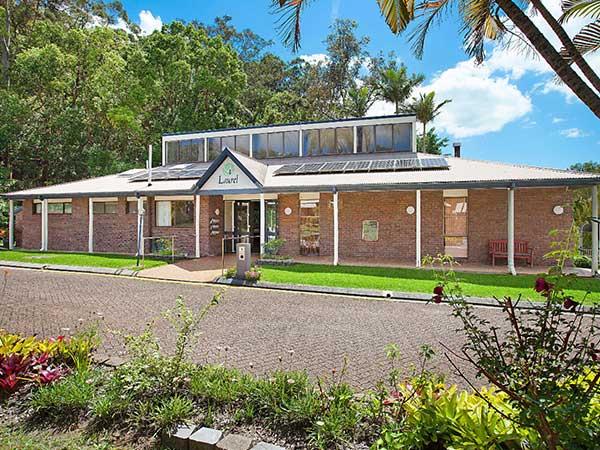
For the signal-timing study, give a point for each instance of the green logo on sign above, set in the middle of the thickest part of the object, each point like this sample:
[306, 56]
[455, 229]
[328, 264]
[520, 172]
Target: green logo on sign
[228, 169]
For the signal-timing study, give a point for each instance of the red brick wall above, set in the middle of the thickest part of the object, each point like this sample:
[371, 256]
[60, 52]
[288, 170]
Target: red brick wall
[210, 244]
[534, 218]
[113, 233]
[326, 224]
[397, 229]
[31, 237]
[289, 226]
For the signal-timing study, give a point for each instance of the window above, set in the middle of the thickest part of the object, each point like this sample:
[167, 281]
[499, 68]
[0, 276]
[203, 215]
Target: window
[260, 143]
[384, 138]
[456, 227]
[242, 144]
[275, 149]
[54, 208]
[327, 141]
[310, 145]
[177, 213]
[105, 207]
[344, 140]
[310, 230]
[291, 143]
[366, 139]
[132, 206]
[214, 148]
[370, 230]
[187, 150]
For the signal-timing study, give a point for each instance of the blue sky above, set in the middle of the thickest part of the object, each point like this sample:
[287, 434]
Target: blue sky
[509, 109]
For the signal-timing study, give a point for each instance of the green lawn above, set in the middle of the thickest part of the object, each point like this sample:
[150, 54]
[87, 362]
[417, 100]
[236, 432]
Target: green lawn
[77, 259]
[418, 280]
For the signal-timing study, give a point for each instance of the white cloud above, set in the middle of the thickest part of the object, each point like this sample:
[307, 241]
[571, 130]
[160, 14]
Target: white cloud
[557, 120]
[315, 58]
[149, 22]
[573, 133]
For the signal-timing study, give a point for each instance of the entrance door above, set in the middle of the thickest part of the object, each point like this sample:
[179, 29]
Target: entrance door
[246, 223]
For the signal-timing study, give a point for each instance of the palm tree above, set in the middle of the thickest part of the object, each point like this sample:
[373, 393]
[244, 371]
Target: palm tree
[482, 20]
[426, 109]
[396, 86]
[588, 38]
[359, 100]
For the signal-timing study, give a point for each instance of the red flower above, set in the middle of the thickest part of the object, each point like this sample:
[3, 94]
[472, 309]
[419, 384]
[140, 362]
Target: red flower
[437, 299]
[542, 286]
[438, 290]
[596, 355]
[60, 338]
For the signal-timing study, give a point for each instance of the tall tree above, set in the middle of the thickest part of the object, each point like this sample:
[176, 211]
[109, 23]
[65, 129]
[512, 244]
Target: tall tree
[426, 109]
[395, 85]
[482, 21]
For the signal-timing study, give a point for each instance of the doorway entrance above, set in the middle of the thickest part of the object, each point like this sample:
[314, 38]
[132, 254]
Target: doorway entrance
[242, 223]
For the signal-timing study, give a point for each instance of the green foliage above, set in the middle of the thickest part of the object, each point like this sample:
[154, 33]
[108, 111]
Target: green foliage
[171, 411]
[431, 143]
[272, 247]
[65, 399]
[582, 261]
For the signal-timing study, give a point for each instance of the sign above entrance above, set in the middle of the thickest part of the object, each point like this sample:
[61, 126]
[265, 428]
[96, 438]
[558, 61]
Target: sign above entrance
[228, 176]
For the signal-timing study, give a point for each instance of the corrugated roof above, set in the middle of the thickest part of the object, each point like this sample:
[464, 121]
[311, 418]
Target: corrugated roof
[462, 172]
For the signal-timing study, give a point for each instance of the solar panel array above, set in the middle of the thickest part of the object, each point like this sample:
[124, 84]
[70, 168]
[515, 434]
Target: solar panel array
[376, 165]
[159, 174]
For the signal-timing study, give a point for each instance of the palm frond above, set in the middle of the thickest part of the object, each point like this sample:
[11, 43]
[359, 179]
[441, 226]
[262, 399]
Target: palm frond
[482, 22]
[430, 13]
[397, 13]
[584, 8]
[288, 23]
[586, 41]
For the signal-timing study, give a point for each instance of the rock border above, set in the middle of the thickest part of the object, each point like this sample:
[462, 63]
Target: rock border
[190, 437]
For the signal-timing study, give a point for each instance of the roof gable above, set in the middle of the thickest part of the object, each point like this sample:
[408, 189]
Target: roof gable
[228, 173]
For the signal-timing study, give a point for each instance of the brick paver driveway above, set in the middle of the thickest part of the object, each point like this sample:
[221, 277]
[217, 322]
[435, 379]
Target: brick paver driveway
[252, 329]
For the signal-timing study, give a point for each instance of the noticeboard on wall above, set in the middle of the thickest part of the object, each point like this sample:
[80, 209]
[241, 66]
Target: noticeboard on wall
[370, 230]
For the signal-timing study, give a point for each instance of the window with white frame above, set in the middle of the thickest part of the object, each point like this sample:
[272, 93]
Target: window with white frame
[109, 207]
[174, 213]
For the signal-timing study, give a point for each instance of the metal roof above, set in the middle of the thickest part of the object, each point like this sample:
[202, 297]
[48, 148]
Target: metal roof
[461, 173]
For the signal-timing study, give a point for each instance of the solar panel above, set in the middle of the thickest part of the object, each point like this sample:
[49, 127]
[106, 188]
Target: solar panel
[434, 163]
[193, 173]
[407, 164]
[383, 165]
[334, 167]
[287, 169]
[310, 168]
[358, 166]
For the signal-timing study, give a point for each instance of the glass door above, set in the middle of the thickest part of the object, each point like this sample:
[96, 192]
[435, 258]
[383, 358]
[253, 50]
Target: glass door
[456, 227]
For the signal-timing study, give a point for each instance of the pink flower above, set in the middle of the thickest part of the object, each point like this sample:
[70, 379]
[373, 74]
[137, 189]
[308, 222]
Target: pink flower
[438, 290]
[569, 303]
[49, 375]
[437, 299]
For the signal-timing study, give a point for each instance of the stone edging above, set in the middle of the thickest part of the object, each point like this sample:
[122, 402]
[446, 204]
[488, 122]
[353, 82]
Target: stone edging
[63, 268]
[202, 438]
[370, 293]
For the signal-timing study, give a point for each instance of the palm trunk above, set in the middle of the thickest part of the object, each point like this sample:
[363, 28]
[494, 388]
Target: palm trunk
[568, 44]
[564, 71]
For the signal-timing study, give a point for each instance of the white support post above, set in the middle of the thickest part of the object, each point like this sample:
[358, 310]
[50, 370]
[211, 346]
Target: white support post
[336, 235]
[140, 225]
[418, 229]
[250, 149]
[90, 225]
[206, 148]
[11, 224]
[197, 224]
[511, 231]
[44, 225]
[263, 223]
[300, 143]
[595, 219]
[355, 139]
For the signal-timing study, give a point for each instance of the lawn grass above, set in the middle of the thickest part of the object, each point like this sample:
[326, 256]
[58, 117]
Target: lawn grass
[12, 438]
[78, 259]
[419, 280]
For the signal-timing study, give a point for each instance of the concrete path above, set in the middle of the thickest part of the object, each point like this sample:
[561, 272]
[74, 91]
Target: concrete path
[202, 269]
[253, 329]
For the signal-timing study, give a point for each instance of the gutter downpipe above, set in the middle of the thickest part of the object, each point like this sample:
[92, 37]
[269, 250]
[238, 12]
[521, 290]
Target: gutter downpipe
[336, 237]
[511, 230]
[90, 225]
[140, 228]
[11, 224]
[418, 229]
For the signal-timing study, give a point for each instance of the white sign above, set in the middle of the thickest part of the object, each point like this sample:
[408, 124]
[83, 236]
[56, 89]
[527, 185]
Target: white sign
[228, 176]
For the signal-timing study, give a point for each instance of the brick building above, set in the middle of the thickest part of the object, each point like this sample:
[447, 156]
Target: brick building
[342, 189]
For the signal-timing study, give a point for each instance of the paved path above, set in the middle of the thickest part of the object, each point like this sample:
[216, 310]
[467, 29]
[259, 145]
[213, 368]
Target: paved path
[251, 329]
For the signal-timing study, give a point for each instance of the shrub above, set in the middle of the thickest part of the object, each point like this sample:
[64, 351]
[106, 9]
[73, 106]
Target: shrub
[171, 411]
[219, 385]
[253, 275]
[230, 272]
[272, 247]
[582, 261]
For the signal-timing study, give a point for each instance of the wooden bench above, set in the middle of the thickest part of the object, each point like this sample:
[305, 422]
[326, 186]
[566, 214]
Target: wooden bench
[498, 248]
